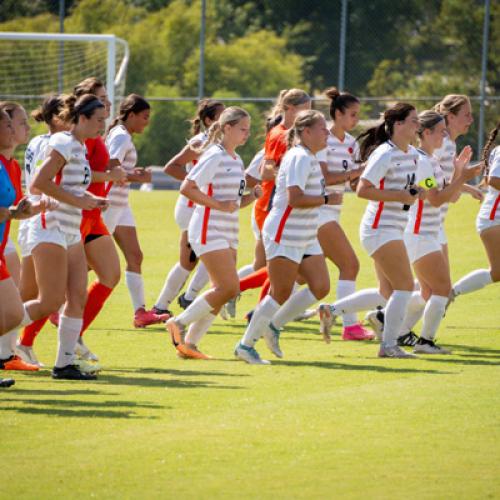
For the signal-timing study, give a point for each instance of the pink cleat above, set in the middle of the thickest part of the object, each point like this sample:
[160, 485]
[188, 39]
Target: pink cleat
[143, 318]
[54, 319]
[357, 332]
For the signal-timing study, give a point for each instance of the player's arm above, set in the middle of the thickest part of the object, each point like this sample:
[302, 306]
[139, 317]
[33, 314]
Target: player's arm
[176, 167]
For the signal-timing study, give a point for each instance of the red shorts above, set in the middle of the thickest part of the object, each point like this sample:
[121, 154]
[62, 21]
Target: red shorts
[93, 225]
[4, 272]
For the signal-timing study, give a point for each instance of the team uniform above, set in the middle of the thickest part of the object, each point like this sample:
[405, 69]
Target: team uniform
[446, 155]
[339, 157]
[61, 226]
[293, 232]
[388, 168]
[253, 170]
[12, 168]
[8, 196]
[92, 224]
[424, 225]
[222, 177]
[489, 213]
[121, 148]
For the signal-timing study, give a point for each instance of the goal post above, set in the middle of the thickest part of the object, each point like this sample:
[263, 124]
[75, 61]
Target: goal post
[31, 63]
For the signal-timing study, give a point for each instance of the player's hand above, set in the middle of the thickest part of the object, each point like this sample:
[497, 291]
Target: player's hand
[335, 199]
[462, 159]
[88, 201]
[469, 173]
[257, 191]
[229, 206]
[407, 198]
[117, 175]
[21, 210]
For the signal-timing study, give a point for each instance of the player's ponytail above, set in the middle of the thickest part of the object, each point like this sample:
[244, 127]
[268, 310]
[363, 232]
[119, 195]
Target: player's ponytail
[207, 110]
[287, 97]
[51, 106]
[485, 155]
[339, 101]
[133, 103]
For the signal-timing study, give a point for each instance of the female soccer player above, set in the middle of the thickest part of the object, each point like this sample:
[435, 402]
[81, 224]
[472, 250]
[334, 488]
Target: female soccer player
[290, 237]
[422, 232]
[132, 119]
[178, 167]
[487, 223]
[216, 185]
[55, 237]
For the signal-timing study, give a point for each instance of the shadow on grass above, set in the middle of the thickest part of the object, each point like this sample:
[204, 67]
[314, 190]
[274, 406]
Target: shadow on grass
[473, 349]
[63, 412]
[471, 362]
[183, 373]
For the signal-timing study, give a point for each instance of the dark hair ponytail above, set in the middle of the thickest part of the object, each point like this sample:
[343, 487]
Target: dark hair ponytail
[207, 109]
[50, 107]
[133, 103]
[379, 134]
[339, 101]
[485, 155]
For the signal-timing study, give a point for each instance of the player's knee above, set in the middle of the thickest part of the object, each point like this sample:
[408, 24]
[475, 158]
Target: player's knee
[320, 290]
[11, 318]
[51, 304]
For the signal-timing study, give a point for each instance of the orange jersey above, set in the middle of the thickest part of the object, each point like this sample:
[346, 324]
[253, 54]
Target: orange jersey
[275, 148]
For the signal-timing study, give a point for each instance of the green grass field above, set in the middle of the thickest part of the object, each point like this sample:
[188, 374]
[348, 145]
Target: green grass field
[328, 421]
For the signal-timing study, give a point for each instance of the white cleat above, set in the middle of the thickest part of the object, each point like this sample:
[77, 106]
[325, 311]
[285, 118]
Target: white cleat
[394, 352]
[325, 321]
[424, 346]
[376, 321]
[272, 338]
[85, 367]
[83, 352]
[249, 355]
[307, 314]
[27, 354]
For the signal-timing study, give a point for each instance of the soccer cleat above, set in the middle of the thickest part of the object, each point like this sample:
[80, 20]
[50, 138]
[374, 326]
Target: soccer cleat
[307, 314]
[231, 307]
[272, 338]
[248, 316]
[249, 355]
[183, 302]
[357, 332]
[425, 346]
[71, 372]
[27, 354]
[394, 352]
[85, 367]
[223, 313]
[162, 312]
[325, 321]
[7, 382]
[143, 318]
[54, 319]
[83, 352]
[408, 339]
[376, 321]
[15, 363]
[190, 351]
[177, 332]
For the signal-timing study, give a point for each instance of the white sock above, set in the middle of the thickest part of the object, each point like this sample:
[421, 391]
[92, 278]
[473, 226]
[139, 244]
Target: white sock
[198, 329]
[395, 312]
[473, 281]
[414, 312]
[433, 314]
[68, 333]
[245, 271]
[260, 319]
[364, 300]
[135, 285]
[198, 282]
[8, 344]
[344, 289]
[26, 317]
[199, 308]
[173, 285]
[296, 304]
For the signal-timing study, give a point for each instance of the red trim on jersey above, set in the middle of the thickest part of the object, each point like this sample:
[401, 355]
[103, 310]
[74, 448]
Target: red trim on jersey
[190, 204]
[418, 219]
[282, 223]
[495, 207]
[380, 208]
[206, 216]
[43, 220]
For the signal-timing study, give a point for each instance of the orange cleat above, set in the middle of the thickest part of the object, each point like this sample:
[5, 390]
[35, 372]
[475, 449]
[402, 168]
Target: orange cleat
[16, 363]
[191, 351]
[177, 332]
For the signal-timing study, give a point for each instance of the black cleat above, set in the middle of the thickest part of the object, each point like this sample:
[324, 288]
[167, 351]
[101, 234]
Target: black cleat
[161, 312]
[7, 382]
[71, 372]
[183, 302]
[408, 339]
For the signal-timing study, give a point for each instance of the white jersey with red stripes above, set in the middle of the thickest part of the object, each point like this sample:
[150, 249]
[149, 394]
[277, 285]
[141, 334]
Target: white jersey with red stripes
[389, 168]
[425, 219]
[339, 156]
[74, 177]
[446, 155]
[490, 208]
[296, 227]
[121, 148]
[222, 177]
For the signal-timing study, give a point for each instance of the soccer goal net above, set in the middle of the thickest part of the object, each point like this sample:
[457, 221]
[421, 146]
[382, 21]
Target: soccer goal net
[33, 65]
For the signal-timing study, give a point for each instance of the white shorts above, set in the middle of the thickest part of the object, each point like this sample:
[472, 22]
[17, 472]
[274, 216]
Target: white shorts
[255, 229]
[183, 214]
[37, 234]
[417, 246]
[22, 238]
[483, 224]
[296, 254]
[375, 239]
[10, 247]
[210, 246]
[442, 238]
[118, 216]
[328, 214]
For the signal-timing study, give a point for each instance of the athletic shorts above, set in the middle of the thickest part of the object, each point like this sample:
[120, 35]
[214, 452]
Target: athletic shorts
[418, 246]
[10, 247]
[328, 214]
[377, 238]
[93, 225]
[118, 216]
[4, 272]
[483, 224]
[38, 234]
[183, 214]
[22, 238]
[255, 228]
[211, 246]
[442, 238]
[296, 254]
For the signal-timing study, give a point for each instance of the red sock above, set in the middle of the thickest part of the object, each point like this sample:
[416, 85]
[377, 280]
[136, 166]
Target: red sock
[97, 295]
[254, 280]
[31, 331]
[265, 289]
